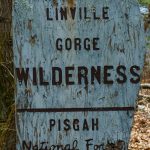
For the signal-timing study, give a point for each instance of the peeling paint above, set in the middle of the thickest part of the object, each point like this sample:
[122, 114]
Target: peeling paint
[29, 25]
[118, 145]
[33, 39]
[55, 3]
[71, 3]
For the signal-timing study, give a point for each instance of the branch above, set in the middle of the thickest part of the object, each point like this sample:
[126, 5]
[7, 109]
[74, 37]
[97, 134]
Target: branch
[144, 96]
[7, 70]
[145, 86]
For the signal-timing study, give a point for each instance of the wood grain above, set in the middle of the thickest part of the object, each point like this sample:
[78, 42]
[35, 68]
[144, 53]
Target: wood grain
[121, 42]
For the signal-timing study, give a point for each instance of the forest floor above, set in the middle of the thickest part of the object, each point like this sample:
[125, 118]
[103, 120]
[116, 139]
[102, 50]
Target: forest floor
[140, 136]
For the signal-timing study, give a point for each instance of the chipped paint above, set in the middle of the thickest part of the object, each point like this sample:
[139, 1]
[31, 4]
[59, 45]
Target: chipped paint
[29, 26]
[32, 39]
[71, 3]
[55, 3]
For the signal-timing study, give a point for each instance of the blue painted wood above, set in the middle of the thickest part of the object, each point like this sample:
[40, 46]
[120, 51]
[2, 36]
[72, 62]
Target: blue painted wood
[121, 43]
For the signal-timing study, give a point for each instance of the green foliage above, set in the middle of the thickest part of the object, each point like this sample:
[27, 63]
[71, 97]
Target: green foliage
[148, 41]
[144, 2]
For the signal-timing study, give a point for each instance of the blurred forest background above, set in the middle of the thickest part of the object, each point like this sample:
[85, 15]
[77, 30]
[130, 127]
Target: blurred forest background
[140, 138]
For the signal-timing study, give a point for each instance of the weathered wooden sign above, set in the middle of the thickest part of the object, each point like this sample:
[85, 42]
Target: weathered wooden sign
[78, 65]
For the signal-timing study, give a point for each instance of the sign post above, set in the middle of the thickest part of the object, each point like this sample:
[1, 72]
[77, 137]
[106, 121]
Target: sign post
[78, 65]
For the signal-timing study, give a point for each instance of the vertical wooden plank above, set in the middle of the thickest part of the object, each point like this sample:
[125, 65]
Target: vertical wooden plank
[78, 66]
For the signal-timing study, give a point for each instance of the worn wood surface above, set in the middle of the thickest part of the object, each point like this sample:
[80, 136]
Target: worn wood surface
[121, 42]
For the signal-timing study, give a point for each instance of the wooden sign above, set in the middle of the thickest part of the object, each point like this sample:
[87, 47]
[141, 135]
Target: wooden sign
[78, 65]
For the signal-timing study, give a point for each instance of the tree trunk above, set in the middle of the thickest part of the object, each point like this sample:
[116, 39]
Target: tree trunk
[6, 67]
